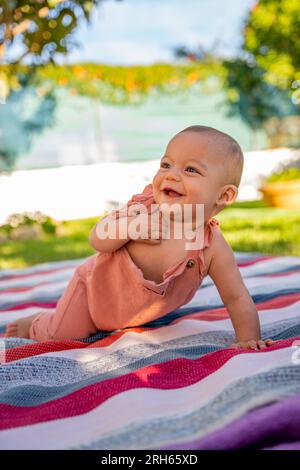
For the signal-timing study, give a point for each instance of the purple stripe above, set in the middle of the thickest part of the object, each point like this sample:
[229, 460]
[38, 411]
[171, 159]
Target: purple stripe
[271, 426]
[286, 446]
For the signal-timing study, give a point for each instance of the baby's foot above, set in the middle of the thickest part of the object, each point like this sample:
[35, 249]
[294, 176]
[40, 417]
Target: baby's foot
[20, 327]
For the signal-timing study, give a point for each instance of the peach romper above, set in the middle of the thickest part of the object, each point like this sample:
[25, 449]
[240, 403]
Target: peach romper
[109, 292]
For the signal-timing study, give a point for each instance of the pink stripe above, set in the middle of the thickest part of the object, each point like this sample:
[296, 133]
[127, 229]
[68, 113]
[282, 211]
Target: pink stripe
[23, 289]
[35, 349]
[222, 313]
[30, 304]
[173, 374]
[254, 261]
[37, 273]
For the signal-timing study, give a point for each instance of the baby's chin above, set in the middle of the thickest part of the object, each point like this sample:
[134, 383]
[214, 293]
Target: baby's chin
[182, 211]
[173, 211]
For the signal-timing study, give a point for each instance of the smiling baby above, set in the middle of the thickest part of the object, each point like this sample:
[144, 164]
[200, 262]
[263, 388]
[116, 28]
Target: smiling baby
[146, 270]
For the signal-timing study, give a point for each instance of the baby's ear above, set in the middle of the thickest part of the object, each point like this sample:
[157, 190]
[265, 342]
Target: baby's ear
[228, 195]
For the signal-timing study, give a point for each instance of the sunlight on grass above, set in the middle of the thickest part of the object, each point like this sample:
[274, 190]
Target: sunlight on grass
[247, 226]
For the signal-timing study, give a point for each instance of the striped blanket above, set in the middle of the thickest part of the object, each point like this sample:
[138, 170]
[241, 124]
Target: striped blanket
[171, 384]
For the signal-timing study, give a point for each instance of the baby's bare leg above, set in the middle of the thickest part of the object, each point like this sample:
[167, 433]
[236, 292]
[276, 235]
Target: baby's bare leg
[70, 320]
[20, 328]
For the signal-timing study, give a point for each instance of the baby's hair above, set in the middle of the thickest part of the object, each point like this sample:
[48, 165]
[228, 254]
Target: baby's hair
[234, 157]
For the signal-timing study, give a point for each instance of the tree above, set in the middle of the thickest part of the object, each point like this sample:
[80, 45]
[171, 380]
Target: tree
[42, 28]
[271, 36]
[21, 122]
[259, 83]
[251, 97]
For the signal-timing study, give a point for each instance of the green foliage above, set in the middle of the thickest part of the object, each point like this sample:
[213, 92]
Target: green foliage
[271, 35]
[260, 83]
[28, 111]
[115, 84]
[42, 28]
[288, 174]
[273, 231]
[17, 221]
[250, 96]
[119, 85]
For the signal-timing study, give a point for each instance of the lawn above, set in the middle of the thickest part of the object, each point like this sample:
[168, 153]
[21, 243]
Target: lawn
[247, 226]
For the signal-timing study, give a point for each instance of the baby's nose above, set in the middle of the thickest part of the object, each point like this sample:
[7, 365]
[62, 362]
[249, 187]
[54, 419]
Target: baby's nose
[173, 173]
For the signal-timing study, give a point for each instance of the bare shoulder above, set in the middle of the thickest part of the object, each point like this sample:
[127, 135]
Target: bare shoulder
[218, 241]
[224, 270]
[217, 249]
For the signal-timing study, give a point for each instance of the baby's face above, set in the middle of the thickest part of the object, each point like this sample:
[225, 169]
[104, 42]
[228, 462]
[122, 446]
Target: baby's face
[193, 166]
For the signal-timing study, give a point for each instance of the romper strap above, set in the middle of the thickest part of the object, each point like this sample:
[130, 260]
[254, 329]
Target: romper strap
[145, 198]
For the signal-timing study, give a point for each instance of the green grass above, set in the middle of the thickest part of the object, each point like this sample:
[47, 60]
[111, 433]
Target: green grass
[247, 226]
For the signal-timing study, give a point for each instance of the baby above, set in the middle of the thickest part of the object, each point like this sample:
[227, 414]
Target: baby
[145, 271]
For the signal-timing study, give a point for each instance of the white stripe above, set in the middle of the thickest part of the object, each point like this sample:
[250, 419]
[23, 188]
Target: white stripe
[260, 267]
[13, 315]
[53, 265]
[137, 405]
[39, 291]
[265, 267]
[179, 329]
[158, 336]
[267, 317]
[35, 280]
[41, 267]
[255, 285]
[207, 297]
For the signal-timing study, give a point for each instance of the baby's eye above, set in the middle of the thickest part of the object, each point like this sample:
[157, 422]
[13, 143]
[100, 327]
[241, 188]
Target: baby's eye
[193, 169]
[164, 163]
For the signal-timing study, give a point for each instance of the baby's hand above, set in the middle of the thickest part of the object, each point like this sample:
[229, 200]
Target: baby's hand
[147, 234]
[252, 344]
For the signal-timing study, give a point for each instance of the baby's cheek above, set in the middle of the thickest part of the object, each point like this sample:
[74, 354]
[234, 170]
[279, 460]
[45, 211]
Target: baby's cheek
[156, 178]
[156, 183]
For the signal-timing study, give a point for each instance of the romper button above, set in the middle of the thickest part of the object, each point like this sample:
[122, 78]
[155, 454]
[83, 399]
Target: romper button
[190, 263]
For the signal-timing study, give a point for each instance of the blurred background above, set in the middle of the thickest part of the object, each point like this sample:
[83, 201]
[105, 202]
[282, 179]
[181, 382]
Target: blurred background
[92, 91]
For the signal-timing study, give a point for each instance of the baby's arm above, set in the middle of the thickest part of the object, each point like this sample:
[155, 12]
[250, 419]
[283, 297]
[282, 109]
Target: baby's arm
[147, 231]
[225, 273]
[108, 245]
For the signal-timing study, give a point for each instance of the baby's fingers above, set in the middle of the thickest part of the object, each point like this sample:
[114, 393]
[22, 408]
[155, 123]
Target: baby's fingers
[261, 344]
[240, 345]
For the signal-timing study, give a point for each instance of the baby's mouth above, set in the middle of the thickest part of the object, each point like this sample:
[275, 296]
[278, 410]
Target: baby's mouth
[171, 193]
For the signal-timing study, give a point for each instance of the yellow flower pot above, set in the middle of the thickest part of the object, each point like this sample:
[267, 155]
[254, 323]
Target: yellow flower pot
[282, 194]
